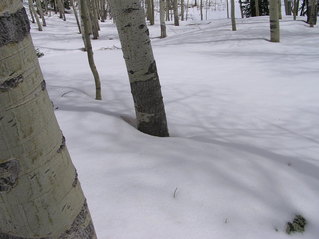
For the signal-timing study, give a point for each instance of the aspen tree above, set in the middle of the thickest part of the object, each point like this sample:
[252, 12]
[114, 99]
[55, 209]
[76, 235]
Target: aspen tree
[141, 66]
[274, 21]
[175, 8]
[232, 13]
[39, 7]
[257, 8]
[88, 47]
[295, 9]
[201, 10]
[162, 18]
[35, 15]
[182, 10]
[227, 8]
[76, 15]
[312, 12]
[40, 194]
[168, 6]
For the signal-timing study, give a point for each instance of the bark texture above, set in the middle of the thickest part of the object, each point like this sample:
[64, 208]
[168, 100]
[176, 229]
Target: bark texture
[274, 21]
[141, 66]
[40, 196]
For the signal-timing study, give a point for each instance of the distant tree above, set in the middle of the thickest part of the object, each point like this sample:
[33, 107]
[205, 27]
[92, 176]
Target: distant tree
[162, 18]
[141, 66]
[88, 46]
[274, 21]
[40, 194]
[232, 11]
[312, 12]
[176, 17]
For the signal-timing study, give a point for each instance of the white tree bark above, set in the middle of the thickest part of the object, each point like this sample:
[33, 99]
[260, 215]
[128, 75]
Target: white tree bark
[88, 47]
[141, 66]
[40, 195]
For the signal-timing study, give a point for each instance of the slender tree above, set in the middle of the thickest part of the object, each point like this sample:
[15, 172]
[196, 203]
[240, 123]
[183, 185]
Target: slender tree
[175, 8]
[88, 47]
[232, 13]
[182, 10]
[274, 21]
[257, 8]
[40, 194]
[32, 10]
[40, 10]
[162, 18]
[141, 66]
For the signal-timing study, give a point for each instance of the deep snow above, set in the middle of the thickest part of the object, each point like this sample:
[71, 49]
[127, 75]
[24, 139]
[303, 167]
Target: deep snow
[243, 115]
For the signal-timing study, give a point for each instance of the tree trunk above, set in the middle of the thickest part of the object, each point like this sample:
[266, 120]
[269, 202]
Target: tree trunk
[168, 6]
[31, 13]
[187, 6]
[162, 18]
[61, 9]
[201, 10]
[295, 10]
[141, 66]
[227, 8]
[35, 14]
[232, 9]
[287, 7]
[312, 13]
[176, 18]
[182, 10]
[76, 16]
[88, 47]
[40, 194]
[279, 9]
[274, 21]
[39, 7]
[257, 8]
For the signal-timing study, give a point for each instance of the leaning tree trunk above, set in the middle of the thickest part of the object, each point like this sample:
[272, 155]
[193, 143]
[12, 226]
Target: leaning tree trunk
[162, 18]
[141, 66]
[76, 16]
[35, 14]
[274, 21]
[232, 11]
[88, 47]
[40, 194]
[39, 7]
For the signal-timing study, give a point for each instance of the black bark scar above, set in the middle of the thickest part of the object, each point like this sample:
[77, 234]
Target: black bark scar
[14, 27]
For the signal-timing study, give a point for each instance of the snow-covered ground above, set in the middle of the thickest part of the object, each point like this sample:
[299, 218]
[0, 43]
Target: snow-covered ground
[243, 115]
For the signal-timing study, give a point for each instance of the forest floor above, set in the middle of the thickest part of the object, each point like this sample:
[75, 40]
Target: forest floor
[243, 115]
